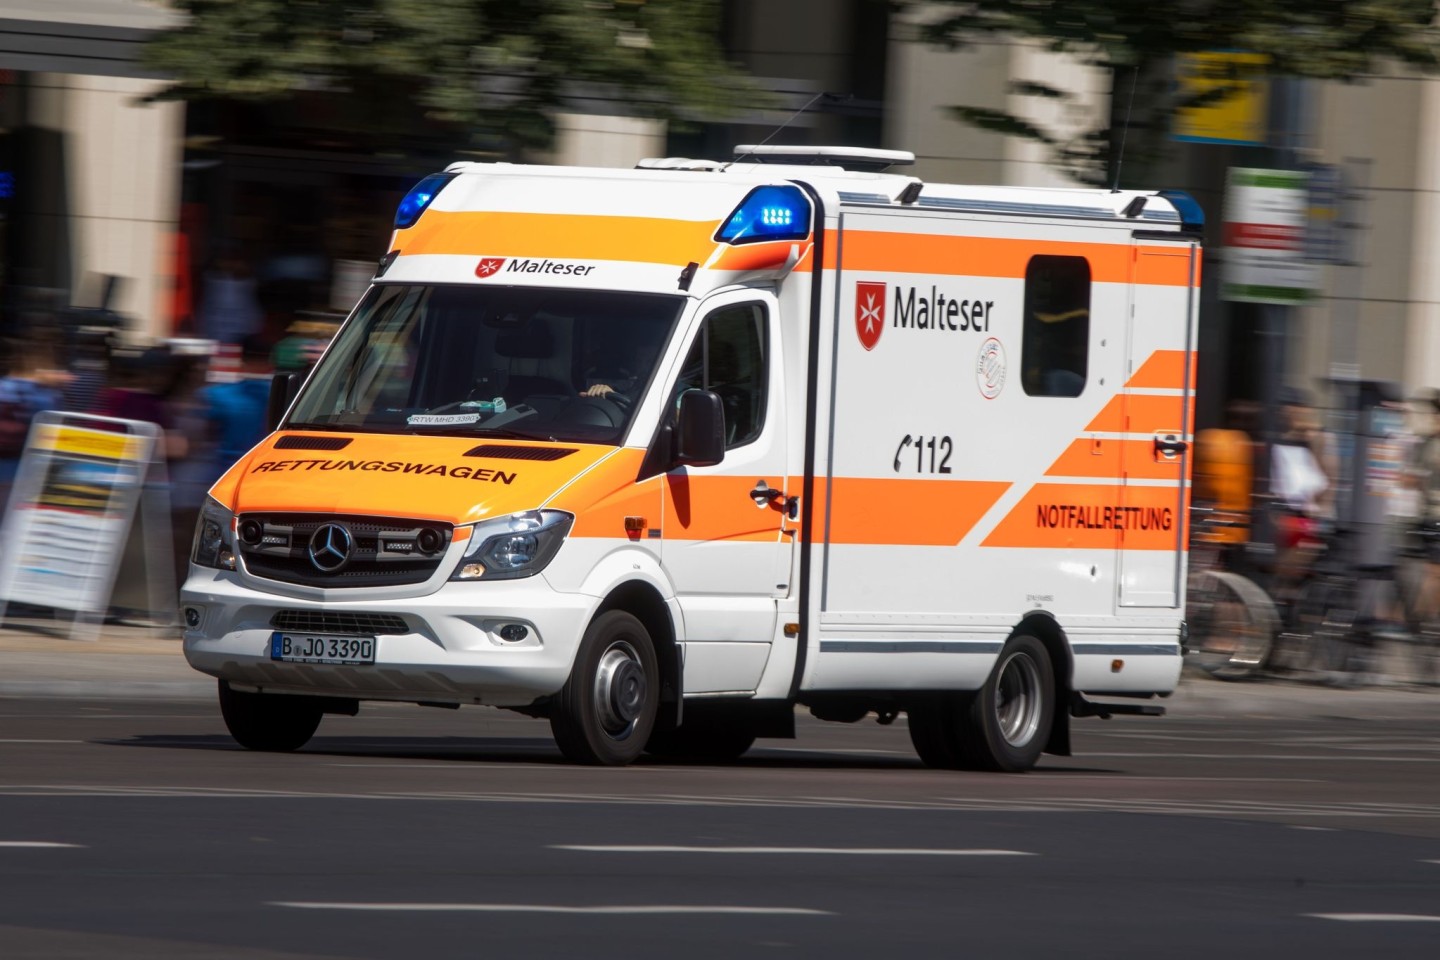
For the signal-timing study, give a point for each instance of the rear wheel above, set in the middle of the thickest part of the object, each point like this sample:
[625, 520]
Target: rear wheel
[268, 721]
[1008, 720]
[933, 731]
[605, 712]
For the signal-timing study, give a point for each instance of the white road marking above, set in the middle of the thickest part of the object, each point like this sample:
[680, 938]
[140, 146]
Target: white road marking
[615, 910]
[1327, 758]
[1430, 861]
[41, 844]
[1219, 807]
[1296, 826]
[42, 741]
[844, 851]
[1375, 917]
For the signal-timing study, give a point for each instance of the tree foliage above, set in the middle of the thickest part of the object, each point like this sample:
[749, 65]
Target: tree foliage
[1138, 39]
[500, 68]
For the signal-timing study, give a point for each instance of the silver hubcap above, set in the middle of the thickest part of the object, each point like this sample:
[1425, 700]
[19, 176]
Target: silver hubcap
[1017, 699]
[620, 689]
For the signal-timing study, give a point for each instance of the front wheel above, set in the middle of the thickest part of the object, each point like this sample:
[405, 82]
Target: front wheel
[605, 712]
[268, 721]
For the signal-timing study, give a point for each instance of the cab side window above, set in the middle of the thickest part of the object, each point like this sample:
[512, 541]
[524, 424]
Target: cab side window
[1055, 345]
[729, 358]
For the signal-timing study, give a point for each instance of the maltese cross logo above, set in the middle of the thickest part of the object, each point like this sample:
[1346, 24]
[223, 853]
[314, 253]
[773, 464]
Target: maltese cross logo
[869, 313]
[489, 266]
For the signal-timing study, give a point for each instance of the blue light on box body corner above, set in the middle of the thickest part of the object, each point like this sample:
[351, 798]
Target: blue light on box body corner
[769, 213]
[419, 198]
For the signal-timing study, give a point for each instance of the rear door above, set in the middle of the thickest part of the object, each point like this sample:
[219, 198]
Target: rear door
[1158, 422]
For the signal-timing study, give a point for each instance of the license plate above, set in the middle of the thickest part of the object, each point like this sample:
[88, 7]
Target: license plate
[318, 648]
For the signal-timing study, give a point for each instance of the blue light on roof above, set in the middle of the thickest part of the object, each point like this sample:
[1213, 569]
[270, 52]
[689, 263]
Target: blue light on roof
[419, 198]
[769, 213]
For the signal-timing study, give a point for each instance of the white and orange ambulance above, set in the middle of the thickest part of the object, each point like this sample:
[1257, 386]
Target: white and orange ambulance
[660, 454]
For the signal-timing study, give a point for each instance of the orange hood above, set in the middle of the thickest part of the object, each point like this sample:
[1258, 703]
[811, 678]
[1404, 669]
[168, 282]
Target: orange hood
[452, 479]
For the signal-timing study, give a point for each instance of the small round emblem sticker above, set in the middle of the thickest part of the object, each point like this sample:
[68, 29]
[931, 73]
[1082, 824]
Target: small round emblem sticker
[990, 368]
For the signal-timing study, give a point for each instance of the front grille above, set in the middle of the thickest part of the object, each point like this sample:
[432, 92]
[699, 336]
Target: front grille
[329, 621]
[385, 551]
[294, 442]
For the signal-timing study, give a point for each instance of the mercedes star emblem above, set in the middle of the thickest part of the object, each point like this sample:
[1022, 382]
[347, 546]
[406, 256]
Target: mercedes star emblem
[330, 547]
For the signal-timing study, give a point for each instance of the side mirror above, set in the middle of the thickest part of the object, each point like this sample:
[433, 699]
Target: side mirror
[700, 430]
[283, 387]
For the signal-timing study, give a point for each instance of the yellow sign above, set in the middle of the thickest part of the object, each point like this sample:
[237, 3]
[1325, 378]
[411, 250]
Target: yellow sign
[1231, 88]
[90, 443]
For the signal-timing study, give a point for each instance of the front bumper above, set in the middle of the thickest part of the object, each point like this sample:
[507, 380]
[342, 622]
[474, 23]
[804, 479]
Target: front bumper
[451, 651]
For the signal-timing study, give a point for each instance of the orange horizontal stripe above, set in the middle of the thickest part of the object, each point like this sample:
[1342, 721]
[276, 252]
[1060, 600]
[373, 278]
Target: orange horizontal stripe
[905, 511]
[717, 508]
[1093, 517]
[1163, 368]
[1132, 413]
[559, 236]
[1113, 459]
[605, 497]
[878, 252]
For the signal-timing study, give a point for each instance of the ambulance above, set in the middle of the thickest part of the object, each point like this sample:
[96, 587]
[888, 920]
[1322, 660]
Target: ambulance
[664, 454]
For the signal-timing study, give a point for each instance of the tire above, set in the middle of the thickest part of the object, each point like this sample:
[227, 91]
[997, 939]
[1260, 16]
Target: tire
[275, 723]
[933, 731]
[1008, 721]
[706, 741]
[606, 711]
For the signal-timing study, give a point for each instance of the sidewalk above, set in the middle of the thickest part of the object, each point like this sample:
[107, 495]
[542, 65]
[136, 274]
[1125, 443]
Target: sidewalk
[38, 660]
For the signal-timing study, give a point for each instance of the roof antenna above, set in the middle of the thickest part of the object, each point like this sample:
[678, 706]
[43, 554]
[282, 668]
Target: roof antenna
[1120, 157]
[839, 97]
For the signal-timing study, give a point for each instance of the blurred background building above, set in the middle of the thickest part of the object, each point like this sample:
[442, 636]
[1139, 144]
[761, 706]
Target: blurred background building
[96, 181]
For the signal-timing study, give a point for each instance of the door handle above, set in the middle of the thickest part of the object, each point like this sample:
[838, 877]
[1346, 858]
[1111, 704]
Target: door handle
[1170, 445]
[764, 494]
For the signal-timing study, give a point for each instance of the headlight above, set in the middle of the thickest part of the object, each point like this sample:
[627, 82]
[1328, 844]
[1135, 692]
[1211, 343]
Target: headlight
[508, 548]
[214, 540]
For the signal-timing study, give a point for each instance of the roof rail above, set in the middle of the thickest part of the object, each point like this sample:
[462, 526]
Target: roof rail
[853, 158]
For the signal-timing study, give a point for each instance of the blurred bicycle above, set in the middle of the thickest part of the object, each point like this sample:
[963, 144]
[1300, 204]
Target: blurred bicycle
[1232, 622]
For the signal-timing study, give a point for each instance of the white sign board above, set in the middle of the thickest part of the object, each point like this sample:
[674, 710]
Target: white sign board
[76, 493]
[1265, 258]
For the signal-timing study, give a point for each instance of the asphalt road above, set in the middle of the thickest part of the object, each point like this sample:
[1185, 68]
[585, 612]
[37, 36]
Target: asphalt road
[135, 828]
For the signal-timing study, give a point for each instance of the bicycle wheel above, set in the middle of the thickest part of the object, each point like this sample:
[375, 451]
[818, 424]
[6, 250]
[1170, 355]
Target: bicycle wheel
[1326, 613]
[1232, 624]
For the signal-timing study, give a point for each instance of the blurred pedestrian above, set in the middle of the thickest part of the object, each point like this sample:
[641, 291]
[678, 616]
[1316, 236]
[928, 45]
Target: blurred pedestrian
[236, 411]
[30, 384]
[1423, 475]
[1302, 490]
[230, 307]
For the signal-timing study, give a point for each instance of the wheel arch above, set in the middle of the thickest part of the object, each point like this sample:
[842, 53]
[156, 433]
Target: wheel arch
[644, 602]
[1044, 627]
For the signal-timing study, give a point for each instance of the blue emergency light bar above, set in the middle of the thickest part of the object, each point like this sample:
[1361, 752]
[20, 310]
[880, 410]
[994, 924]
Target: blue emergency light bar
[418, 199]
[769, 213]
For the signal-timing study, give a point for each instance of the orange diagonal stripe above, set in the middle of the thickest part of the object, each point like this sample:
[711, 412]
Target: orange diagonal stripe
[901, 511]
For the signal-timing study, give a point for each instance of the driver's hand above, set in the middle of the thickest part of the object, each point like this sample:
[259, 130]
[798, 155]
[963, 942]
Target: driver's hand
[598, 390]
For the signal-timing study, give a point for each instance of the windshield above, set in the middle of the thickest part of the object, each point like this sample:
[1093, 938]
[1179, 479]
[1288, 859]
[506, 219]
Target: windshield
[499, 361]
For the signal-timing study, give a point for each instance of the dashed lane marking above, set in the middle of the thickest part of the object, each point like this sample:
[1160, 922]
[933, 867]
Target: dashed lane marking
[609, 910]
[41, 845]
[1375, 917]
[787, 851]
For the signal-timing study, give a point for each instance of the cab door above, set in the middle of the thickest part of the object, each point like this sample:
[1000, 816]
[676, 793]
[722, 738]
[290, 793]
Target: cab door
[1159, 422]
[725, 546]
